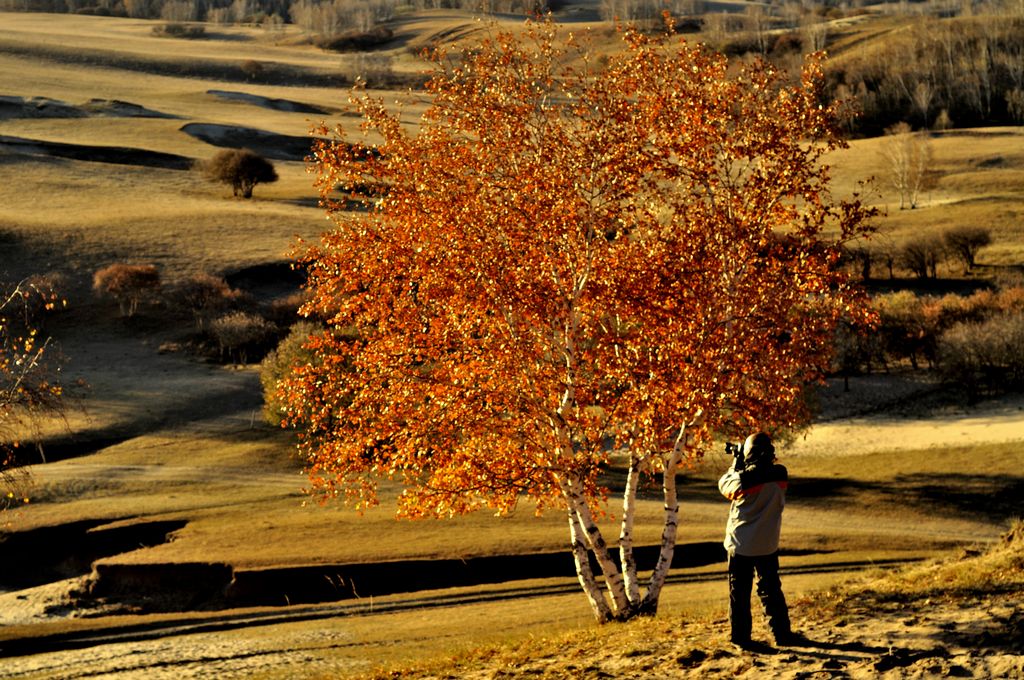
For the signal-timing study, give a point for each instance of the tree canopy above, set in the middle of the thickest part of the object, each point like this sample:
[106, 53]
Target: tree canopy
[243, 169]
[571, 262]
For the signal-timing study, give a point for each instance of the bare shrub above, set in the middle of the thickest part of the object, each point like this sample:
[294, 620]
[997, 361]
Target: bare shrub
[203, 296]
[30, 390]
[922, 255]
[284, 312]
[373, 69]
[279, 364]
[860, 258]
[1010, 300]
[43, 294]
[984, 357]
[252, 69]
[240, 335]
[128, 284]
[180, 30]
[241, 168]
[902, 333]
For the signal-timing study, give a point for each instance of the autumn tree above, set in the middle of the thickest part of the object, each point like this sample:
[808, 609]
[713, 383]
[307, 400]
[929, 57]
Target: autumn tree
[29, 390]
[241, 168]
[571, 264]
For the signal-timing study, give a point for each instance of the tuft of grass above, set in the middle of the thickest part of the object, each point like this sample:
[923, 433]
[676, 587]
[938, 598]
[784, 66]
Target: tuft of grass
[970, 574]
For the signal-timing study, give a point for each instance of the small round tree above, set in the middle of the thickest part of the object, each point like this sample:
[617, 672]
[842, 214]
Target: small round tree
[129, 284]
[243, 169]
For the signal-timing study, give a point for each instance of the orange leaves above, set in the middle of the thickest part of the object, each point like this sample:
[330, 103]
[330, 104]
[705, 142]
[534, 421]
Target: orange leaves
[559, 259]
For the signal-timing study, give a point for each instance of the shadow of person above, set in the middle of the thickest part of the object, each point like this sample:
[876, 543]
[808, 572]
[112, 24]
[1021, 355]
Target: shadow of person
[848, 651]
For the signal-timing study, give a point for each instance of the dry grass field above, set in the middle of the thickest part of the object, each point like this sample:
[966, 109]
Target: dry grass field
[161, 436]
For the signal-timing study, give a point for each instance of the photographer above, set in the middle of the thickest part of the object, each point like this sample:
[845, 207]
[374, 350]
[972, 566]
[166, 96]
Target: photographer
[756, 485]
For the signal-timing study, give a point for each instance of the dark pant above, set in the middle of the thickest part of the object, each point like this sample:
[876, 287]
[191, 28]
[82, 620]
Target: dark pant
[769, 589]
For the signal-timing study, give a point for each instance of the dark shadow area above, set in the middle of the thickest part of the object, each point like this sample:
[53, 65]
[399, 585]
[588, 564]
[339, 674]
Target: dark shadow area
[828, 488]
[835, 656]
[177, 587]
[269, 144]
[48, 554]
[44, 107]
[994, 498]
[1000, 633]
[265, 274]
[97, 154]
[273, 103]
[311, 202]
[163, 587]
[928, 286]
[237, 398]
[80, 443]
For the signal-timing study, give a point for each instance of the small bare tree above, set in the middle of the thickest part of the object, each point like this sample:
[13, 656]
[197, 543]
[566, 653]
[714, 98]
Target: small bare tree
[815, 34]
[964, 242]
[922, 96]
[922, 255]
[908, 159]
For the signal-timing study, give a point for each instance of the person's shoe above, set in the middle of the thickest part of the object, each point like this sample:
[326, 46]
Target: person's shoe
[792, 639]
[754, 647]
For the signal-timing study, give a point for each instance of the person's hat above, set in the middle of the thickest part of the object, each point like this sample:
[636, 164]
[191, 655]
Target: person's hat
[757, 447]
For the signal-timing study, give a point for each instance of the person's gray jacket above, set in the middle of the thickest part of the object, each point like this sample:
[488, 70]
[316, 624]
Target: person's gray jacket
[758, 496]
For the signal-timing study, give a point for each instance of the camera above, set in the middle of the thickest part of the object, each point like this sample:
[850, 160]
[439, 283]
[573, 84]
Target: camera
[736, 451]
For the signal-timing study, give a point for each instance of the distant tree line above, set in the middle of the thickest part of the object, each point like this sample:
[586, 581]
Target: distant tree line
[939, 72]
[975, 342]
[919, 255]
[956, 64]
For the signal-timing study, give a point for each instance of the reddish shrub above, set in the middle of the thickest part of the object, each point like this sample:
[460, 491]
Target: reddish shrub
[129, 284]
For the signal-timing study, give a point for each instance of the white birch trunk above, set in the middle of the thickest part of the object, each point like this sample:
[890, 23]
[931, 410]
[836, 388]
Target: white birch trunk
[671, 526]
[584, 573]
[597, 544]
[668, 532]
[626, 556]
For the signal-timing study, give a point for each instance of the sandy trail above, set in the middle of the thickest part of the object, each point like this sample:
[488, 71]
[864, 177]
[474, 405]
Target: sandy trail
[991, 423]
